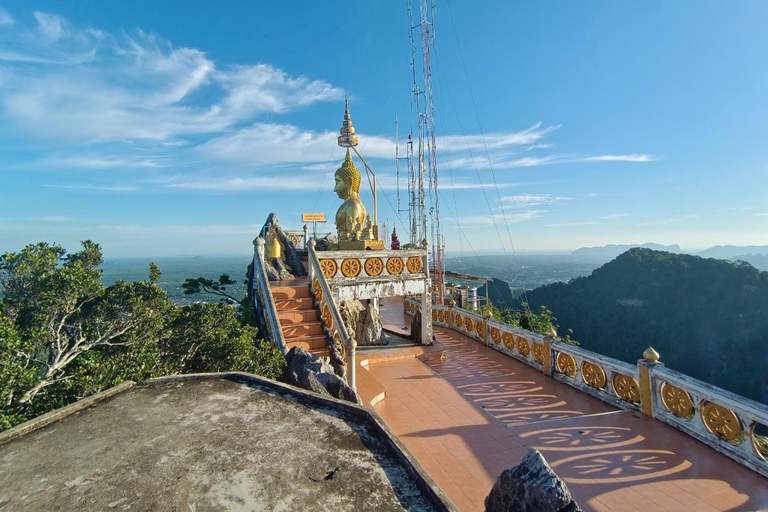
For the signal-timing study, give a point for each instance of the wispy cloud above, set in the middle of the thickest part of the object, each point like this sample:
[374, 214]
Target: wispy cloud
[656, 222]
[256, 183]
[478, 221]
[86, 162]
[51, 26]
[505, 161]
[572, 224]
[614, 216]
[52, 218]
[761, 215]
[5, 18]
[619, 158]
[110, 188]
[137, 87]
[528, 200]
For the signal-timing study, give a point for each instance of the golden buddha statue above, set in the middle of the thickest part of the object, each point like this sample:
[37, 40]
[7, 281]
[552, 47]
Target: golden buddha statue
[351, 215]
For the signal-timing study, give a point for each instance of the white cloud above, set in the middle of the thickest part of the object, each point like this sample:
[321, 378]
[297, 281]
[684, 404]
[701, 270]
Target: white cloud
[255, 183]
[479, 221]
[86, 162]
[496, 140]
[502, 161]
[5, 18]
[53, 218]
[527, 200]
[91, 87]
[111, 188]
[572, 224]
[619, 158]
[262, 88]
[51, 26]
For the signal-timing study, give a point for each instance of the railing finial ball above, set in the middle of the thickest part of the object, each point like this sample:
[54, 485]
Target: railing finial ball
[651, 355]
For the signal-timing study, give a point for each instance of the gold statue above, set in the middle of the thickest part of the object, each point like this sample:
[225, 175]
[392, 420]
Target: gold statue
[351, 215]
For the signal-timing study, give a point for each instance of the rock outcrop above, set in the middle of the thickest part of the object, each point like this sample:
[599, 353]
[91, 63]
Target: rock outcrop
[327, 243]
[416, 327]
[362, 321]
[530, 487]
[316, 374]
[289, 265]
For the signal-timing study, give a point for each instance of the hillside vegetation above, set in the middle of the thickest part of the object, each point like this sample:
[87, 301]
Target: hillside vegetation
[64, 335]
[707, 318]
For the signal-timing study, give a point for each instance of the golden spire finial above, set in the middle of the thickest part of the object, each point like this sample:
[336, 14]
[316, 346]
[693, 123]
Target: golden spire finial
[347, 139]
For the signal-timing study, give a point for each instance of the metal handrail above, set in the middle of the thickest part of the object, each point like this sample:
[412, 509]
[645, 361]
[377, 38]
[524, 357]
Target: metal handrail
[263, 291]
[315, 272]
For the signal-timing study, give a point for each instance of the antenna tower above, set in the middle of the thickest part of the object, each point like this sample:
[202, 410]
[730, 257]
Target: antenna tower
[427, 156]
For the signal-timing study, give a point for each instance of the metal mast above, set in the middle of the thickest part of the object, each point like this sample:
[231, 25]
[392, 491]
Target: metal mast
[427, 137]
[417, 215]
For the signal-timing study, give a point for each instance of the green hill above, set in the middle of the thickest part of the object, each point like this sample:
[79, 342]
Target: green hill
[707, 318]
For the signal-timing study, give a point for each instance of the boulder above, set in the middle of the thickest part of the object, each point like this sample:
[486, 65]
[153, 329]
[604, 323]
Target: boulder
[337, 354]
[300, 363]
[327, 243]
[338, 388]
[308, 371]
[362, 321]
[530, 487]
[289, 265]
[416, 326]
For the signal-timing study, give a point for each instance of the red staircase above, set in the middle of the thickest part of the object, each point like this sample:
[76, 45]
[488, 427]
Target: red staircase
[298, 318]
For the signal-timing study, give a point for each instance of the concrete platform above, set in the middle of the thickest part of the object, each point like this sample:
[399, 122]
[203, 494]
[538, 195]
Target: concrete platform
[212, 443]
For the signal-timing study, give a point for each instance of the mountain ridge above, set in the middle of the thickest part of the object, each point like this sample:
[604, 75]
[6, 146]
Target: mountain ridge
[707, 317]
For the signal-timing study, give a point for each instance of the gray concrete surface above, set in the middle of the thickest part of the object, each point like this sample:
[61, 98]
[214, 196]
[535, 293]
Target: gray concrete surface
[212, 444]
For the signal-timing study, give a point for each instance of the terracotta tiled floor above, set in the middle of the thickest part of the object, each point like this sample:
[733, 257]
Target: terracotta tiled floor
[468, 418]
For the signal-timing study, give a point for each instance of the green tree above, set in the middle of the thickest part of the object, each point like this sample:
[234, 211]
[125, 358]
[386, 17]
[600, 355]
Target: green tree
[208, 337]
[62, 310]
[154, 272]
[16, 370]
[197, 285]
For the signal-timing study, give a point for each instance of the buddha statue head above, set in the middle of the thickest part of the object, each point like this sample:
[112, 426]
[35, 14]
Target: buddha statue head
[347, 179]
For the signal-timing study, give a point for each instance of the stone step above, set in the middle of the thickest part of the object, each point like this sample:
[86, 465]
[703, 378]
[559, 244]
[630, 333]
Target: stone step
[294, 304]
[302, 330]
[311, 343]
[300, 316]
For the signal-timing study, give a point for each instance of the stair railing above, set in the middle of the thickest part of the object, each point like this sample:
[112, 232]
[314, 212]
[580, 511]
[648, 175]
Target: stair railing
[263, 302]
[329, 312]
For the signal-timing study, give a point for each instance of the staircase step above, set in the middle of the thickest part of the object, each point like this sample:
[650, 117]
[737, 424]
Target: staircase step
[297, 316]
[302, 330]
[294, 304]
[289, 292]
[311, 343]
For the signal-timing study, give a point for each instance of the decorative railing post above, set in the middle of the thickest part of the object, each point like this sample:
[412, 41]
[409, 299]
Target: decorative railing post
[547, 363]
[310, 267]
[259, 242]
[306, 234]
[451, 304]
[645, 367]
[351, 370]
[486, 331]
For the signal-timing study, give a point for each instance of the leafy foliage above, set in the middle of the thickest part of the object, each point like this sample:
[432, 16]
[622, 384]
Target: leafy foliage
[64, 336]
[194, 286]
[707, 318]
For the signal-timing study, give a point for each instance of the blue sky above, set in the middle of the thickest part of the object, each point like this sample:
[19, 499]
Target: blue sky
[175, 128]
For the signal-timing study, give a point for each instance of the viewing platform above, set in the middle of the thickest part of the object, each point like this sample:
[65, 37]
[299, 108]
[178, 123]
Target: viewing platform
[476, 412]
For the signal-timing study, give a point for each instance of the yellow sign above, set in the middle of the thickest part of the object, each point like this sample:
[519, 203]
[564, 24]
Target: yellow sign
[312, 217]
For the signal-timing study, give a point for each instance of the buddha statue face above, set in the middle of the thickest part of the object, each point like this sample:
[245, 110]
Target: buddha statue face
[347, 179]
[341, 188]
